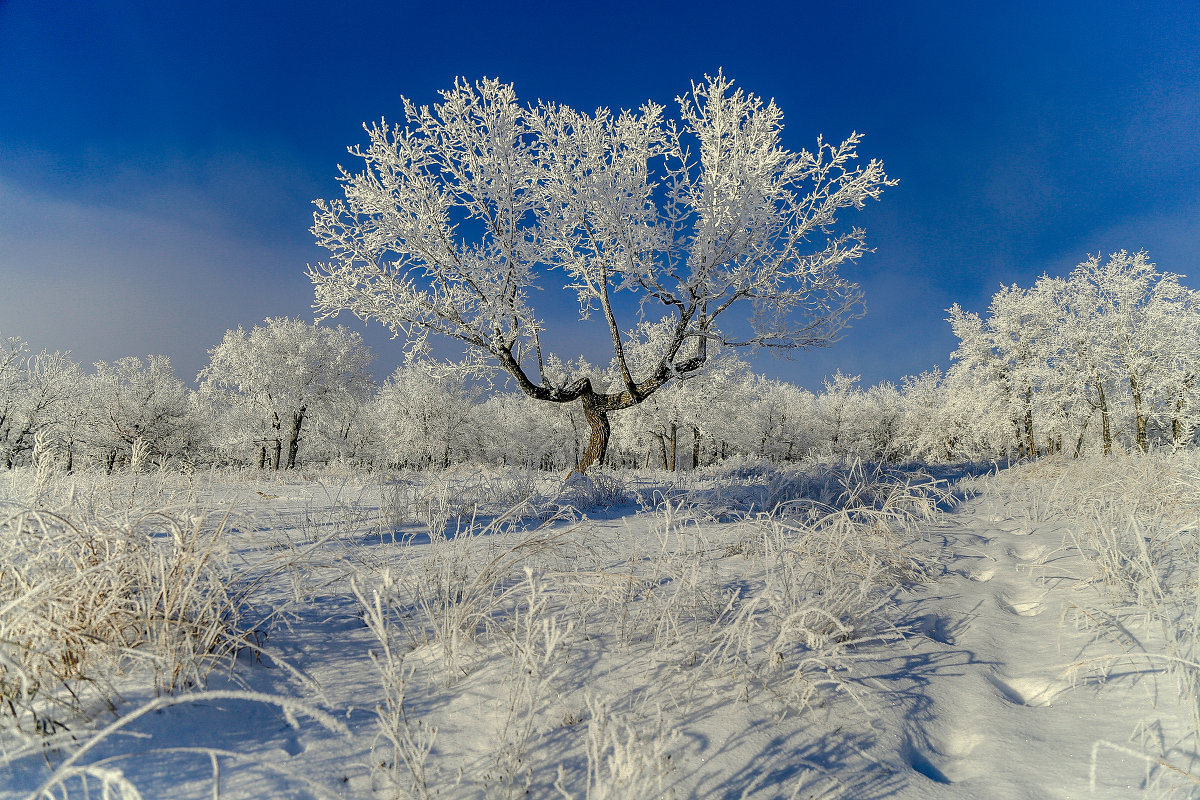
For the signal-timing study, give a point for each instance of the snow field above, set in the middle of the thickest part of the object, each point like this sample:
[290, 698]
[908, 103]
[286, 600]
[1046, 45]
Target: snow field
[480, 634]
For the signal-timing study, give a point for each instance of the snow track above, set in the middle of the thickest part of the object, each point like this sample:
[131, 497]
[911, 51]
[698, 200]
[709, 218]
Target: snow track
[1006, 707]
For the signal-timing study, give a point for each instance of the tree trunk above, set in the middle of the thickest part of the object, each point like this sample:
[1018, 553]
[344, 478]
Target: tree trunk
[1177, 423]
[262, 456]
[1141, 421]
[294, 441]
[1082, 433]
[601, 430]
[1029, 423]
[673, 442]
[695, 447]
[1106, 428]
[278, 426]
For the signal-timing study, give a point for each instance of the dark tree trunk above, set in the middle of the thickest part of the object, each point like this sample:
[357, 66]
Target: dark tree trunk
[597, 418]
[695, 447]
[1105, 427]
[673, 447]
[1177, 423]
[1082, 433]
[1141, 420]
[294, 441]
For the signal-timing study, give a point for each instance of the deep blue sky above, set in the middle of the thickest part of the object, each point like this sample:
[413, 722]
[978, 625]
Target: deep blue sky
[158, 160]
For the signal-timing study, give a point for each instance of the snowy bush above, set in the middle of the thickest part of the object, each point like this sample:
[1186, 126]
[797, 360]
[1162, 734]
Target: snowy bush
[85, 601]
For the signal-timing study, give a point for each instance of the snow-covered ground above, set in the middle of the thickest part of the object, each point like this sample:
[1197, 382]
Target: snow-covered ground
[878, 634]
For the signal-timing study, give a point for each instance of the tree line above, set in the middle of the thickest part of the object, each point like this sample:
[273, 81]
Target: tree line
[1101, 359]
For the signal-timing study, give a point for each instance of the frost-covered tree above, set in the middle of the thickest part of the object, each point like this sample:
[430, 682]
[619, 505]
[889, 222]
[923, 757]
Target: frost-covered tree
[1104, 355]
[1138, 319]
[458, 217]
[35, 395]
[423, 413]
[1008, 350]
[136, 402]
[287, 370]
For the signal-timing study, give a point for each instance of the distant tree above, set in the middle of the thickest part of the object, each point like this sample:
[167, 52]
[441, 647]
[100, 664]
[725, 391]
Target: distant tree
[1008, 350]
[456, 217]
[35, 395]
[136, 402]
[287, 370]
[424, 414]
[1138, 319]
[1114, 341]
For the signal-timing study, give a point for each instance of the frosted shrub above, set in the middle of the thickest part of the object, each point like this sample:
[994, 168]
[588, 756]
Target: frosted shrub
[622, 759]
[867, 491]
[595, 490]
[84, 602]
[469, 577]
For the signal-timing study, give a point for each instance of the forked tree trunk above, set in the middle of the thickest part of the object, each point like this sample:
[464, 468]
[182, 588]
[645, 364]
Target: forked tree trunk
[601, 431]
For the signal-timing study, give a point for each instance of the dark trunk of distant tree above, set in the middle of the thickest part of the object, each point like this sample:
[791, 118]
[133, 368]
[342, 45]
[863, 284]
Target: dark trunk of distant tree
[673, 447]
[695, 447]
[294, 441]
[1105, 424]
[1141, 420]
[1082, 432]
[1177, 423]
[1031, 442]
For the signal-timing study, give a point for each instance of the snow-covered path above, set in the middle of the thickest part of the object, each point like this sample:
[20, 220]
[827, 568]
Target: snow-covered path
[999, 702]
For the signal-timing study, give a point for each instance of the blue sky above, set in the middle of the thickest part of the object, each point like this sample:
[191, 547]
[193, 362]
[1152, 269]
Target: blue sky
[158, 160]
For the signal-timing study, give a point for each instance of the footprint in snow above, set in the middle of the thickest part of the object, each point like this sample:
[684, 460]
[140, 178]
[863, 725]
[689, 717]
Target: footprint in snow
[1032, 690]
[935, 627]
[942, 760]
[1022, 607]
[982, 574]
[1030, 553]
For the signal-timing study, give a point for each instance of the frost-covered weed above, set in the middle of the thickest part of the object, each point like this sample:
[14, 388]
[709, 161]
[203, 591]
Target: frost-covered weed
[812, 491]
[623, 759]
[82, 602]
[410, 740]
[461, 583]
